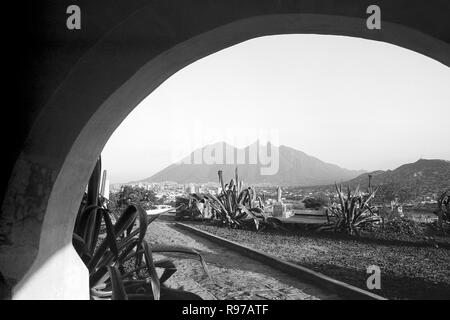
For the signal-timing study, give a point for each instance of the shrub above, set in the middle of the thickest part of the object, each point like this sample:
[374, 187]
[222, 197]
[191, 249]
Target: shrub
[315, 202]
[193, 206]
[403, 226]
[134, 194]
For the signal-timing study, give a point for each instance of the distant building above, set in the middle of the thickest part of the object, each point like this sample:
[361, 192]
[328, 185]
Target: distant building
[191, 188]
[106, 189]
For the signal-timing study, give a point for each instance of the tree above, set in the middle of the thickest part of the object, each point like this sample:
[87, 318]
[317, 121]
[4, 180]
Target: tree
[129, 194]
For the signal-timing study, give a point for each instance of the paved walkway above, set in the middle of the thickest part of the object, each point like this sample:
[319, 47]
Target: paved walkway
[234, 276]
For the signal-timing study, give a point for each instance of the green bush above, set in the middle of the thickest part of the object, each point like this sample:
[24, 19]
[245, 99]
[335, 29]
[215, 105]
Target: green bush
[133, 194]
[403, 226]
[315, 202]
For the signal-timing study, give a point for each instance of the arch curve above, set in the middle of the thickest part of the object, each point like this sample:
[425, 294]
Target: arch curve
[102, 88]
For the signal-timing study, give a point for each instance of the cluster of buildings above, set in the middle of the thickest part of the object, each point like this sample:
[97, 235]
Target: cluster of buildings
[282, 202]
[212, 188]
[171, 190]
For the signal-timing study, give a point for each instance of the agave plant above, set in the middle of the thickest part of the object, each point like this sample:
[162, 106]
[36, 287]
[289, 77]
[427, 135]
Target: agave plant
[185, 209]
[352, 212]
[123, 245]
[237, 206]
[194, 206]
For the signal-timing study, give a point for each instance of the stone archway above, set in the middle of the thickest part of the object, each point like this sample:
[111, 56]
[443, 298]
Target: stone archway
[104, 86]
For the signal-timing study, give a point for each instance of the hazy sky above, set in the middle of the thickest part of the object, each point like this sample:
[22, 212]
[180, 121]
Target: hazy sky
[356, 103]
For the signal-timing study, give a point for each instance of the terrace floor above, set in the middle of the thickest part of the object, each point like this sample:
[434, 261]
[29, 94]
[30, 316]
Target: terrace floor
[234, 276]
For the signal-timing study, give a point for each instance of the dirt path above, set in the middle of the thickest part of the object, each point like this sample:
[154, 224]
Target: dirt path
[234, 276]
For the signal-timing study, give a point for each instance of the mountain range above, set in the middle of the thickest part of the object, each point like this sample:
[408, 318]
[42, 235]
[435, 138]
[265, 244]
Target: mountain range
[294, 168]
[425, 176]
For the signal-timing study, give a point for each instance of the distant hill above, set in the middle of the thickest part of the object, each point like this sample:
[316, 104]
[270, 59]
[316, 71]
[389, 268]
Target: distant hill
[409, 180]
[295, 168]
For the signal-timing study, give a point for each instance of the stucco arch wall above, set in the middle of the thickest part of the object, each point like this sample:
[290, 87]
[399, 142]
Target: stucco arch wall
[100, 91]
